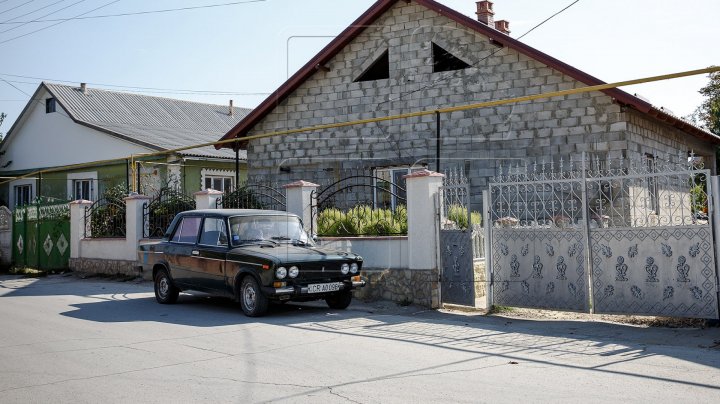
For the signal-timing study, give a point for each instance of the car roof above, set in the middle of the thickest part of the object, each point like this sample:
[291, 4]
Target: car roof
[237, 212]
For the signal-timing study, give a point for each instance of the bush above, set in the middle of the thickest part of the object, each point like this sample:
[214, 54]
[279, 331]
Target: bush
[362, 220]
[458, 214]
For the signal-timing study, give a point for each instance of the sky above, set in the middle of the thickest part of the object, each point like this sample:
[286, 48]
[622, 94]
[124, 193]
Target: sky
[244, 51]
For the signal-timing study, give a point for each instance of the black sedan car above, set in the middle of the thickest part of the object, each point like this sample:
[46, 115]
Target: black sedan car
[252, 256]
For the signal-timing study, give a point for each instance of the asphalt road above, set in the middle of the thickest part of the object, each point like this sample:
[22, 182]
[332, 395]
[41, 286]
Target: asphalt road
[67, 340]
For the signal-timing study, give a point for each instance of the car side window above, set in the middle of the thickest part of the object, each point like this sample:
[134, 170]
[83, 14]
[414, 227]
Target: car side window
[187, 230]
[213, 232]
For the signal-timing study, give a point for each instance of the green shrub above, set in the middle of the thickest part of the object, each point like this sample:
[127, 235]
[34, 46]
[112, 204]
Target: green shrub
[362, 220]
[458, 214]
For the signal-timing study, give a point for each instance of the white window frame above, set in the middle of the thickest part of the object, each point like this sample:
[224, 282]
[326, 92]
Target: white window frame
[20, 183]
[377, 174]
[206, 173]
[89, 175]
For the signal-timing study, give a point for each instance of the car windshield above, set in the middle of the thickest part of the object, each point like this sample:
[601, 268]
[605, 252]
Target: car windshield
[274, 228]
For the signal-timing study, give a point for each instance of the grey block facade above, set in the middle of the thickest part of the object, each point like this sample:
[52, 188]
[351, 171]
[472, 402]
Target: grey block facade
[478, 140]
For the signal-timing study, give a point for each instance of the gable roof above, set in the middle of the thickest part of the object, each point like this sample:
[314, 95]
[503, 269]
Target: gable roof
[154, 122]
[381, 6]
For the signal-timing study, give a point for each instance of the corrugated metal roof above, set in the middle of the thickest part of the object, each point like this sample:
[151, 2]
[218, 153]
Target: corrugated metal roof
[163, 122]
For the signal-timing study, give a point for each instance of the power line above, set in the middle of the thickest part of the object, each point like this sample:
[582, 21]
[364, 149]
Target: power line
[18, 6]
[136, 88]
[31, 12]
[50, 13]
[58, 23]
[142, 12]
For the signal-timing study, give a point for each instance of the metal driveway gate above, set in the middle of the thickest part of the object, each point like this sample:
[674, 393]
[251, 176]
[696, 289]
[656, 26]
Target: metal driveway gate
[457, 276]
[641, 226]
[41, 236]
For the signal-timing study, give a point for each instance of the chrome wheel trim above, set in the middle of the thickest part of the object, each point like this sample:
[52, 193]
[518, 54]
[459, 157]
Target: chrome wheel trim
[163, 287]
[249, 296]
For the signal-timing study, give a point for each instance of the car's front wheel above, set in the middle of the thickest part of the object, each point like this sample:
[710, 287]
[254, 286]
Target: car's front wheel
[339, 301]
[165, 291]
[252, 301]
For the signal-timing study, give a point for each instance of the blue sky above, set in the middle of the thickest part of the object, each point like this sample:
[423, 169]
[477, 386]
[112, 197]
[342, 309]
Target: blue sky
[250, 48]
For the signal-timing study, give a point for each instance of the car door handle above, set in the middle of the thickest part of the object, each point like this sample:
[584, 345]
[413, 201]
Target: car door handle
[195, 252]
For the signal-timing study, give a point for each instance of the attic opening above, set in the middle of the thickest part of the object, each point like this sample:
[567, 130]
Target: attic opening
[444, 61]
[49, 105]
[379, 69]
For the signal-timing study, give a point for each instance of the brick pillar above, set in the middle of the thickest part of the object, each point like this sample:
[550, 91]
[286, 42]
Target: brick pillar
[77, 225]
[134, 223]
[207, 199]
[300, 199]
[422, 189]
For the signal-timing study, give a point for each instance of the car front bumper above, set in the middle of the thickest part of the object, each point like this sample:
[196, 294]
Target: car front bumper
[304, 290]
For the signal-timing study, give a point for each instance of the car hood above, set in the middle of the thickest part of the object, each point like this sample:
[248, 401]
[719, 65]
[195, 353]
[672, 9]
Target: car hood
[293, 253]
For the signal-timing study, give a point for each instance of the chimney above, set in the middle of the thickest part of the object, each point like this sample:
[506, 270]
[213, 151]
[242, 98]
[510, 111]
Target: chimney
[503, 26]
[231, 111]
[83, 88]
[485, 13]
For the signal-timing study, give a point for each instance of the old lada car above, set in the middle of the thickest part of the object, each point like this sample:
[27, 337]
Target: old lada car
[253, 256]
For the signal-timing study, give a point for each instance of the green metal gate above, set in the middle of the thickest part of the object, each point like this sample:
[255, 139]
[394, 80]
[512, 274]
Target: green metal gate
[41, 236]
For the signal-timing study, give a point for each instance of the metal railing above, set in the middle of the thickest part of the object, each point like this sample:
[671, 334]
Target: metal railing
[105, 219]
[159, 212]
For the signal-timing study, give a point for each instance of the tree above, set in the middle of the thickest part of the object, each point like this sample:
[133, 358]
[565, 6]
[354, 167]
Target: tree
[708, 114]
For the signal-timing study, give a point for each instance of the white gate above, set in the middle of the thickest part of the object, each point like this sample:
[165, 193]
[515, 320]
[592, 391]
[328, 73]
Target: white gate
[624, 236]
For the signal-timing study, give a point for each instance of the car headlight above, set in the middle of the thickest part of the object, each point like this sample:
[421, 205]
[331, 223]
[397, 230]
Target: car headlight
[345, 268]
[354, 267]
[281, 273]
[293, 272]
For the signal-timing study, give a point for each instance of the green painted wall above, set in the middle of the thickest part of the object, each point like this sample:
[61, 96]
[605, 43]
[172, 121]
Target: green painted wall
[55, 184]
[192, 172]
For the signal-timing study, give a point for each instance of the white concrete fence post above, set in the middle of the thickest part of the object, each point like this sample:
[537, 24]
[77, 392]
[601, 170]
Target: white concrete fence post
[134, 222]
[422, 188]
[300, 199]
[207, 199]
[77, 225]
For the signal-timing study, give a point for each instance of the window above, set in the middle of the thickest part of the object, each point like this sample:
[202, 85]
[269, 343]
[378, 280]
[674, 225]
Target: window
[444, 61]
[83, 189]
[390, 186]
[218, 183]
[214, 232]
[23, 194]
[219, 180]
[187, 230]
[49, 105]
[379, 69]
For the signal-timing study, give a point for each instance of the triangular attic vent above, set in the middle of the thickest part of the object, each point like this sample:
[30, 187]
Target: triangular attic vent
[444, 61]
[379, 69]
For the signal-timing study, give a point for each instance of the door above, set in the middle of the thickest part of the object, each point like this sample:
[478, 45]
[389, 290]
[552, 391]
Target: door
[181, 249]
[212, 250]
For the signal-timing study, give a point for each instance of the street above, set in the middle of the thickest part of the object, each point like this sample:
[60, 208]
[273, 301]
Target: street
[70, 340]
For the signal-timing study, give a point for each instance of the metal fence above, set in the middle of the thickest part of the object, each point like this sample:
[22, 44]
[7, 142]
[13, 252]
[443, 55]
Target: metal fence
[159, 212]
[105, 219]
[254, 195]
[360, 205]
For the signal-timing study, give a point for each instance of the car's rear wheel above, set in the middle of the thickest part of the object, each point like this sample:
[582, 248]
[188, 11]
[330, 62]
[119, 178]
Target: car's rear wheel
[252, 301]
[165, 291]
[339, 301]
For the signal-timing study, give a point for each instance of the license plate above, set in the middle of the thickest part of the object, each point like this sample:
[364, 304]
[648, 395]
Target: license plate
[324, 287]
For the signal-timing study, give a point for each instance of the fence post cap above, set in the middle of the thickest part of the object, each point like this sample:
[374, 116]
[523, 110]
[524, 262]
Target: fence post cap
[300, 184]
[81, 202]
[208, 192]
[135, 197]
[423, 173]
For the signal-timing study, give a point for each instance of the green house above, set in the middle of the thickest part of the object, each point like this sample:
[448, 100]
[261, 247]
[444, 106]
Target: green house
[74, 143]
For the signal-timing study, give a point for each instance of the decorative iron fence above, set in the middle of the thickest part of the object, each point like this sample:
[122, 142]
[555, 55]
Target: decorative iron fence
[254, 196]
[159, 212]
[105, 219]
[360, 205]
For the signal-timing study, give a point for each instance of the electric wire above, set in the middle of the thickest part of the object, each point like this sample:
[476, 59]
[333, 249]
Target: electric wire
[143, 12]
[48, 14]
[18, 6]
[57, 23]
[31, 12]
[140, 89]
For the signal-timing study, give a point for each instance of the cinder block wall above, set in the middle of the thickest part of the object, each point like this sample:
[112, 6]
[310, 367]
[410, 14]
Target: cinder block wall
[478, 140]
